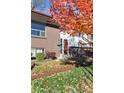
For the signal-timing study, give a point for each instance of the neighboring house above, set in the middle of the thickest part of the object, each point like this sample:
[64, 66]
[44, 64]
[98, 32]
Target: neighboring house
[75, 41]
[44, 34]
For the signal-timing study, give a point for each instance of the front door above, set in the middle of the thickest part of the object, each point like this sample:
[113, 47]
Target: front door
[65, 46]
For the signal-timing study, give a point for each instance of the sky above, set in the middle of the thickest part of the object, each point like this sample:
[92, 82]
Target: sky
[46, 5]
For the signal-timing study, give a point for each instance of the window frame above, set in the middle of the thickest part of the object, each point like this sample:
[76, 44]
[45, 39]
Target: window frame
[40, 30]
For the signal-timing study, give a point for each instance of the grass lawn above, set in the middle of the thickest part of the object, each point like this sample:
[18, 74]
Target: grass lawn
[76, 80]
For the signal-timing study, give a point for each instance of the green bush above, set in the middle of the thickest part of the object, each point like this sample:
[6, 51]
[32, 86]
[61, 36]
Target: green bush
[40, 57]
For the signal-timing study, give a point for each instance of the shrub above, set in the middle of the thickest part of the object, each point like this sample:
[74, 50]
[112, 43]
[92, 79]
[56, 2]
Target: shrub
[40, 57]
[65, 59]
[51, 55]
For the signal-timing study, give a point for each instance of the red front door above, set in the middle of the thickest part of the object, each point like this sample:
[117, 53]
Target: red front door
[65, 46]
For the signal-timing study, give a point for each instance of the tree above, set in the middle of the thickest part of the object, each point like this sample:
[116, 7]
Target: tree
[73, 16]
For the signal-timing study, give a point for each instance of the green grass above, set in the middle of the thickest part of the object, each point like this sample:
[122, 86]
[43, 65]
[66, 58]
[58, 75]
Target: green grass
[78, 80]
[45, 61]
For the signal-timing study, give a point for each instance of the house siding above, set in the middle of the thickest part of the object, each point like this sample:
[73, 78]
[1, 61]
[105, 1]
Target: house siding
[49, 43]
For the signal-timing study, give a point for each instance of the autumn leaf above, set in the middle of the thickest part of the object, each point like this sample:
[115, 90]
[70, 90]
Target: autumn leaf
[73, 16]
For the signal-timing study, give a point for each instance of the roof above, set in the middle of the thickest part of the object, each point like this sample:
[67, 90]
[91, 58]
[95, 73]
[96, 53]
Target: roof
[41, 13]
[41, 17]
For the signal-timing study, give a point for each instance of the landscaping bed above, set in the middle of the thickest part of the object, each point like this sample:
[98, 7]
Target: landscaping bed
[49, 68]
[77, 80]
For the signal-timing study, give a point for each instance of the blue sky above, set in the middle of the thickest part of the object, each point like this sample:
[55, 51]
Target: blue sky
[46, 7]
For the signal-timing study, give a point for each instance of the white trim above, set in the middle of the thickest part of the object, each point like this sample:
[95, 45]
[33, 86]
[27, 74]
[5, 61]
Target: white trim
[39, 31]
[36, 29]
[36, 50]
[46, 27]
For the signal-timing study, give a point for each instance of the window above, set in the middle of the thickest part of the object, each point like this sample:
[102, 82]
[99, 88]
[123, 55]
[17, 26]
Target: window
[37, 29]
[36, 50]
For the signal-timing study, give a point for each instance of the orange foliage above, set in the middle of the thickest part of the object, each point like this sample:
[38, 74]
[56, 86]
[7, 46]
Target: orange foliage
[73, 16]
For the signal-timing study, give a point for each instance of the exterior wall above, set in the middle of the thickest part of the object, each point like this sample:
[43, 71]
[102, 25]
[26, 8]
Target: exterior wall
[38, 17]
[49, 43]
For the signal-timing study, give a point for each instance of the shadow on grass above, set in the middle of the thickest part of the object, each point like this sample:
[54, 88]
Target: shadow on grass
[79, 61]
[85, 62]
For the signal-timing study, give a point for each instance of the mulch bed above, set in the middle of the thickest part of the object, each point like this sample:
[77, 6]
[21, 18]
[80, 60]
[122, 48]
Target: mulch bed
[56, 69]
